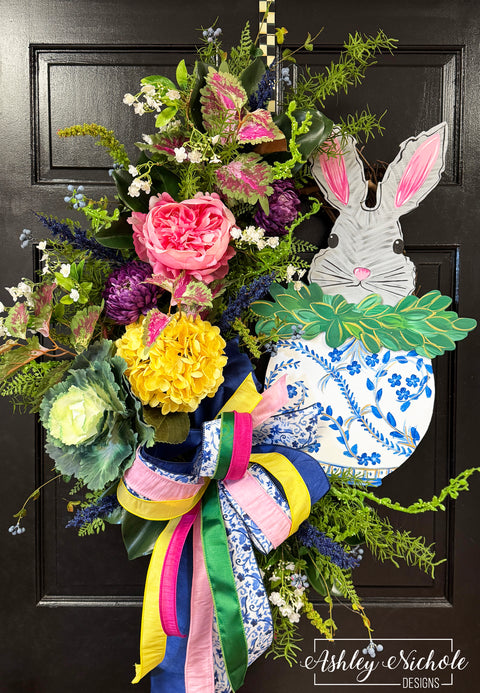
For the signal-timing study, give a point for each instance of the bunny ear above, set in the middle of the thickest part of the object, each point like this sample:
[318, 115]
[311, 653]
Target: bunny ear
[340, 175]
[415, 172]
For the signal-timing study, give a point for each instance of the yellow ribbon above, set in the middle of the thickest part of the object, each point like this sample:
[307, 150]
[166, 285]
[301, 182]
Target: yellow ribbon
[294, 487]
[153, 640]
[157, 510]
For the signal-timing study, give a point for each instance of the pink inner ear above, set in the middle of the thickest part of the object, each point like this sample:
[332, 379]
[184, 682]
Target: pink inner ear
[418, 169]
[333, 169]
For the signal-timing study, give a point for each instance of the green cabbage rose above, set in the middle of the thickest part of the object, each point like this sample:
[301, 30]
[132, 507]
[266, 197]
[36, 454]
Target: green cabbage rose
[92, 420]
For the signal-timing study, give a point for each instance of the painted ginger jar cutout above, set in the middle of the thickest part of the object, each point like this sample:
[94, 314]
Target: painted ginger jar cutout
[350, 408]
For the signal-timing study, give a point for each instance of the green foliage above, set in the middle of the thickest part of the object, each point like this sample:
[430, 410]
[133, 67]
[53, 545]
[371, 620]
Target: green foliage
[363, 123]
[169, 428]
[422, 324]
[248, 339]
[241, 55]
[244, 270]
[99, 216]
[139, 535]
[106, 137]
[26, 386]
[94, 527]
[358, 54]
[345, 517]
[452, 490]
[19, 355]
[305, 131]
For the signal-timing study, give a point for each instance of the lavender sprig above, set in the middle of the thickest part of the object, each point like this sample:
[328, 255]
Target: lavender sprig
[247, 295]
[311, 537]
[103, 507]
[265, 91]
[78, 239]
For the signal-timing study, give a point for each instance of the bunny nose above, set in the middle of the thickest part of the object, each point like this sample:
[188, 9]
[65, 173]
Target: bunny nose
[361, 273]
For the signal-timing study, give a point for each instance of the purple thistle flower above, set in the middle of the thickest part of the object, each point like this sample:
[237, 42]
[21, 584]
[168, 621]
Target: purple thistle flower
[78, 239]
[103, 507]
[247, 295]
[284, 204]
[310, 536]
[127, 296]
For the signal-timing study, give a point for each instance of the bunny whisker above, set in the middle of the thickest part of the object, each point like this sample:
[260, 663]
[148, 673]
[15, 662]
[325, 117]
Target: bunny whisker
[390, 273]
[334, 276]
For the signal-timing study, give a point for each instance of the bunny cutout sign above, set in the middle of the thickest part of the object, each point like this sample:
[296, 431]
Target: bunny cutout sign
[365, 253]
[353, 406]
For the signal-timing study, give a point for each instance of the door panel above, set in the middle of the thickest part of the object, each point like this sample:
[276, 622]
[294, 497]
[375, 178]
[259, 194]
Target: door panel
[65, 63]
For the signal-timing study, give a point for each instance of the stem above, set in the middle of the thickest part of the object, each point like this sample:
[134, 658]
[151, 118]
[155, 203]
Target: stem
[33, 496]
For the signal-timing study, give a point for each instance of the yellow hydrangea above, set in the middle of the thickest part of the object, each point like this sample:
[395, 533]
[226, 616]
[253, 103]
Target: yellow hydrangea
[183, 366]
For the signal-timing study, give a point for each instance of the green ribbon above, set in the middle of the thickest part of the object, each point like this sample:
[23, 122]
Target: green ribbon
[224, 591]
[226, 445]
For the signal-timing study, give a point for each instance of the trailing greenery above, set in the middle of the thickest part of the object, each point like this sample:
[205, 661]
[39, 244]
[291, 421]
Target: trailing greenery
[106, 137]
[358, 54]
[26, 387]
[363, 123]
[452, 490]
[420, 324]
[241, 55]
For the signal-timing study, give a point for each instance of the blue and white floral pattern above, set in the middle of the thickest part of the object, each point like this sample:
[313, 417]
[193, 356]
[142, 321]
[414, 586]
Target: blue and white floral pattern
[371, 410]
[205, 462]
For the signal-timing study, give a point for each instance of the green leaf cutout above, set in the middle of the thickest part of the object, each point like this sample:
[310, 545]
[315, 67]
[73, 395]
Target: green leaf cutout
[420, 324]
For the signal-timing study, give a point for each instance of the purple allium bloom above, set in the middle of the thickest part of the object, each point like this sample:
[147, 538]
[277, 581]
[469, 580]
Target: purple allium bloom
[126, 297]
[284, 204]
[310, 536]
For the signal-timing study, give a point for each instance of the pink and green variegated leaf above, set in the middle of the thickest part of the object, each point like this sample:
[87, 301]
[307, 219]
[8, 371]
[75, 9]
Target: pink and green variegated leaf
[41, 321]
[246, 178]
[43, 296]
[176, 286]
[222, 99]
[258, 127]
[195, 297]
[82, 326]
[17, 321]
[155, 321]
[42, 308]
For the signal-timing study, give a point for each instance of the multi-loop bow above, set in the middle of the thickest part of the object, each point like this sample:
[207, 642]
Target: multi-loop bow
[233, 498]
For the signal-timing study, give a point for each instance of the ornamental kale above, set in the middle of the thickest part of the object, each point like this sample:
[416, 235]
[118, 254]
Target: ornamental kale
[93, 422]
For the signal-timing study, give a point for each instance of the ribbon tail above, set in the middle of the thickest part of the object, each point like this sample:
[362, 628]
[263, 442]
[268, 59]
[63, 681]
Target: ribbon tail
[227, 607]
[169, 574]
[153, 640]
[199, 669]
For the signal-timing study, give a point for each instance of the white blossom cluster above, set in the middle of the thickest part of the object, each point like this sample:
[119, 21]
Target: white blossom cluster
[138, 183]
[151, 99]
[291, 272]
[254, 235]
[291, 587]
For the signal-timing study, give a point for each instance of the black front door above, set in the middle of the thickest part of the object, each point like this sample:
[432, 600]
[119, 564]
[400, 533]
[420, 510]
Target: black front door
[70, 606]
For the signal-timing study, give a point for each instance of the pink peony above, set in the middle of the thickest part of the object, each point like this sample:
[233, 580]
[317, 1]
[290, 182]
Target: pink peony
[191, 236]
